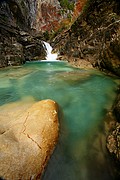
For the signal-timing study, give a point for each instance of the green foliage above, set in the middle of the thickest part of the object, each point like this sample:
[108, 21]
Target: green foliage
[53, 34]
[69, 16]
[87, 5]
[46, 35]
[66, 5]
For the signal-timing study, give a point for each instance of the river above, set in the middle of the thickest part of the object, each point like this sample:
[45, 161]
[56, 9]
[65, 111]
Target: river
[84, 97]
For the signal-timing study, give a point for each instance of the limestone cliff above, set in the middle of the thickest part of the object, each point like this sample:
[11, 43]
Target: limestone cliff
[17, 44]
[94, 36]
[22, 23]
[90, 34]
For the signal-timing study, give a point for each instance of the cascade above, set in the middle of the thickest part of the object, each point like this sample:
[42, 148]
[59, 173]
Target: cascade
[50, 56]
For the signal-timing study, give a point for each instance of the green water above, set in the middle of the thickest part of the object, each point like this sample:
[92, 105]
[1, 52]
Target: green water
[84, 97]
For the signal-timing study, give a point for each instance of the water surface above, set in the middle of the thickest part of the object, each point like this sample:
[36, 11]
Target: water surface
[84, 98]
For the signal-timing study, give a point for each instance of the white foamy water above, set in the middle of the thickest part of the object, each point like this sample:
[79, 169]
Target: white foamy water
[50, 56]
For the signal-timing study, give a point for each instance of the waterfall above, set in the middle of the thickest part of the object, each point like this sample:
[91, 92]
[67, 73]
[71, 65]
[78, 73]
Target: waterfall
[50, 56]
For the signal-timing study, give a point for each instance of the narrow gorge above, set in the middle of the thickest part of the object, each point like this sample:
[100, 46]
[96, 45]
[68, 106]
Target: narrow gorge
[60, 89]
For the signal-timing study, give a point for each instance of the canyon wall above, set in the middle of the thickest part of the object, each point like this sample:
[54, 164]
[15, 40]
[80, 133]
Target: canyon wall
[88, 31]
[23, 22]
[17, 44]
[94, 36]
[94, 39]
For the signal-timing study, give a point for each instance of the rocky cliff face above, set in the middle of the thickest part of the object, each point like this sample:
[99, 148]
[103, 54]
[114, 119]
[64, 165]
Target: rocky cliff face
[47, 15]
[21, 24]
[95, 36]
[53, 15]
[16, 13]
[17, 44]
[92, 35]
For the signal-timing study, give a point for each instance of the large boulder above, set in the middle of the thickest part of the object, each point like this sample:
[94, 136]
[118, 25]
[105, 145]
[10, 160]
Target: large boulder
[27, 139]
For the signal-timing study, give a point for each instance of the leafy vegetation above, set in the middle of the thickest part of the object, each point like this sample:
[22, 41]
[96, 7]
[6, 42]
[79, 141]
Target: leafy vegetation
[66, 4]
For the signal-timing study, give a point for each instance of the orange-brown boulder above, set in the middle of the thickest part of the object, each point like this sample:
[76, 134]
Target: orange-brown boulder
[28, 140]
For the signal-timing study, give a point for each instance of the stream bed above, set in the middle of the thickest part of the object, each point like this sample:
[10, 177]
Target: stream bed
[84, 97]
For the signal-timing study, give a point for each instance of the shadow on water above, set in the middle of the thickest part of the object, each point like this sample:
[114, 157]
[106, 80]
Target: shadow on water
[84, 97]
[79, 155]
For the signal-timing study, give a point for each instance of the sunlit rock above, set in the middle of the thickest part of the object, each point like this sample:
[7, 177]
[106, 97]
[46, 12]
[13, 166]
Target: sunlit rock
[27, 138]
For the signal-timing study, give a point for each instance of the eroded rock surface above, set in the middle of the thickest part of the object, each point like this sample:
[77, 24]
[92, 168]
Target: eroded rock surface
[27, 138]
[17, 39]
[94, 36]
[113, 147]
[113, 142]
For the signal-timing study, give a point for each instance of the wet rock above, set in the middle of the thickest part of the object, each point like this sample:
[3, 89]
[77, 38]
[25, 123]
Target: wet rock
[11, 52]
[33, 48]
[34, 52]
[113, 142]
[80, 63]
[3, 62]
[18, 47]
[28, 136]
[116, 108]
[113, 146]
[16, 33]
[14, 54]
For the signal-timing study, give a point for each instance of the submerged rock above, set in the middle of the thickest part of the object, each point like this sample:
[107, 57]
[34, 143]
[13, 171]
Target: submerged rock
[27, 139]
